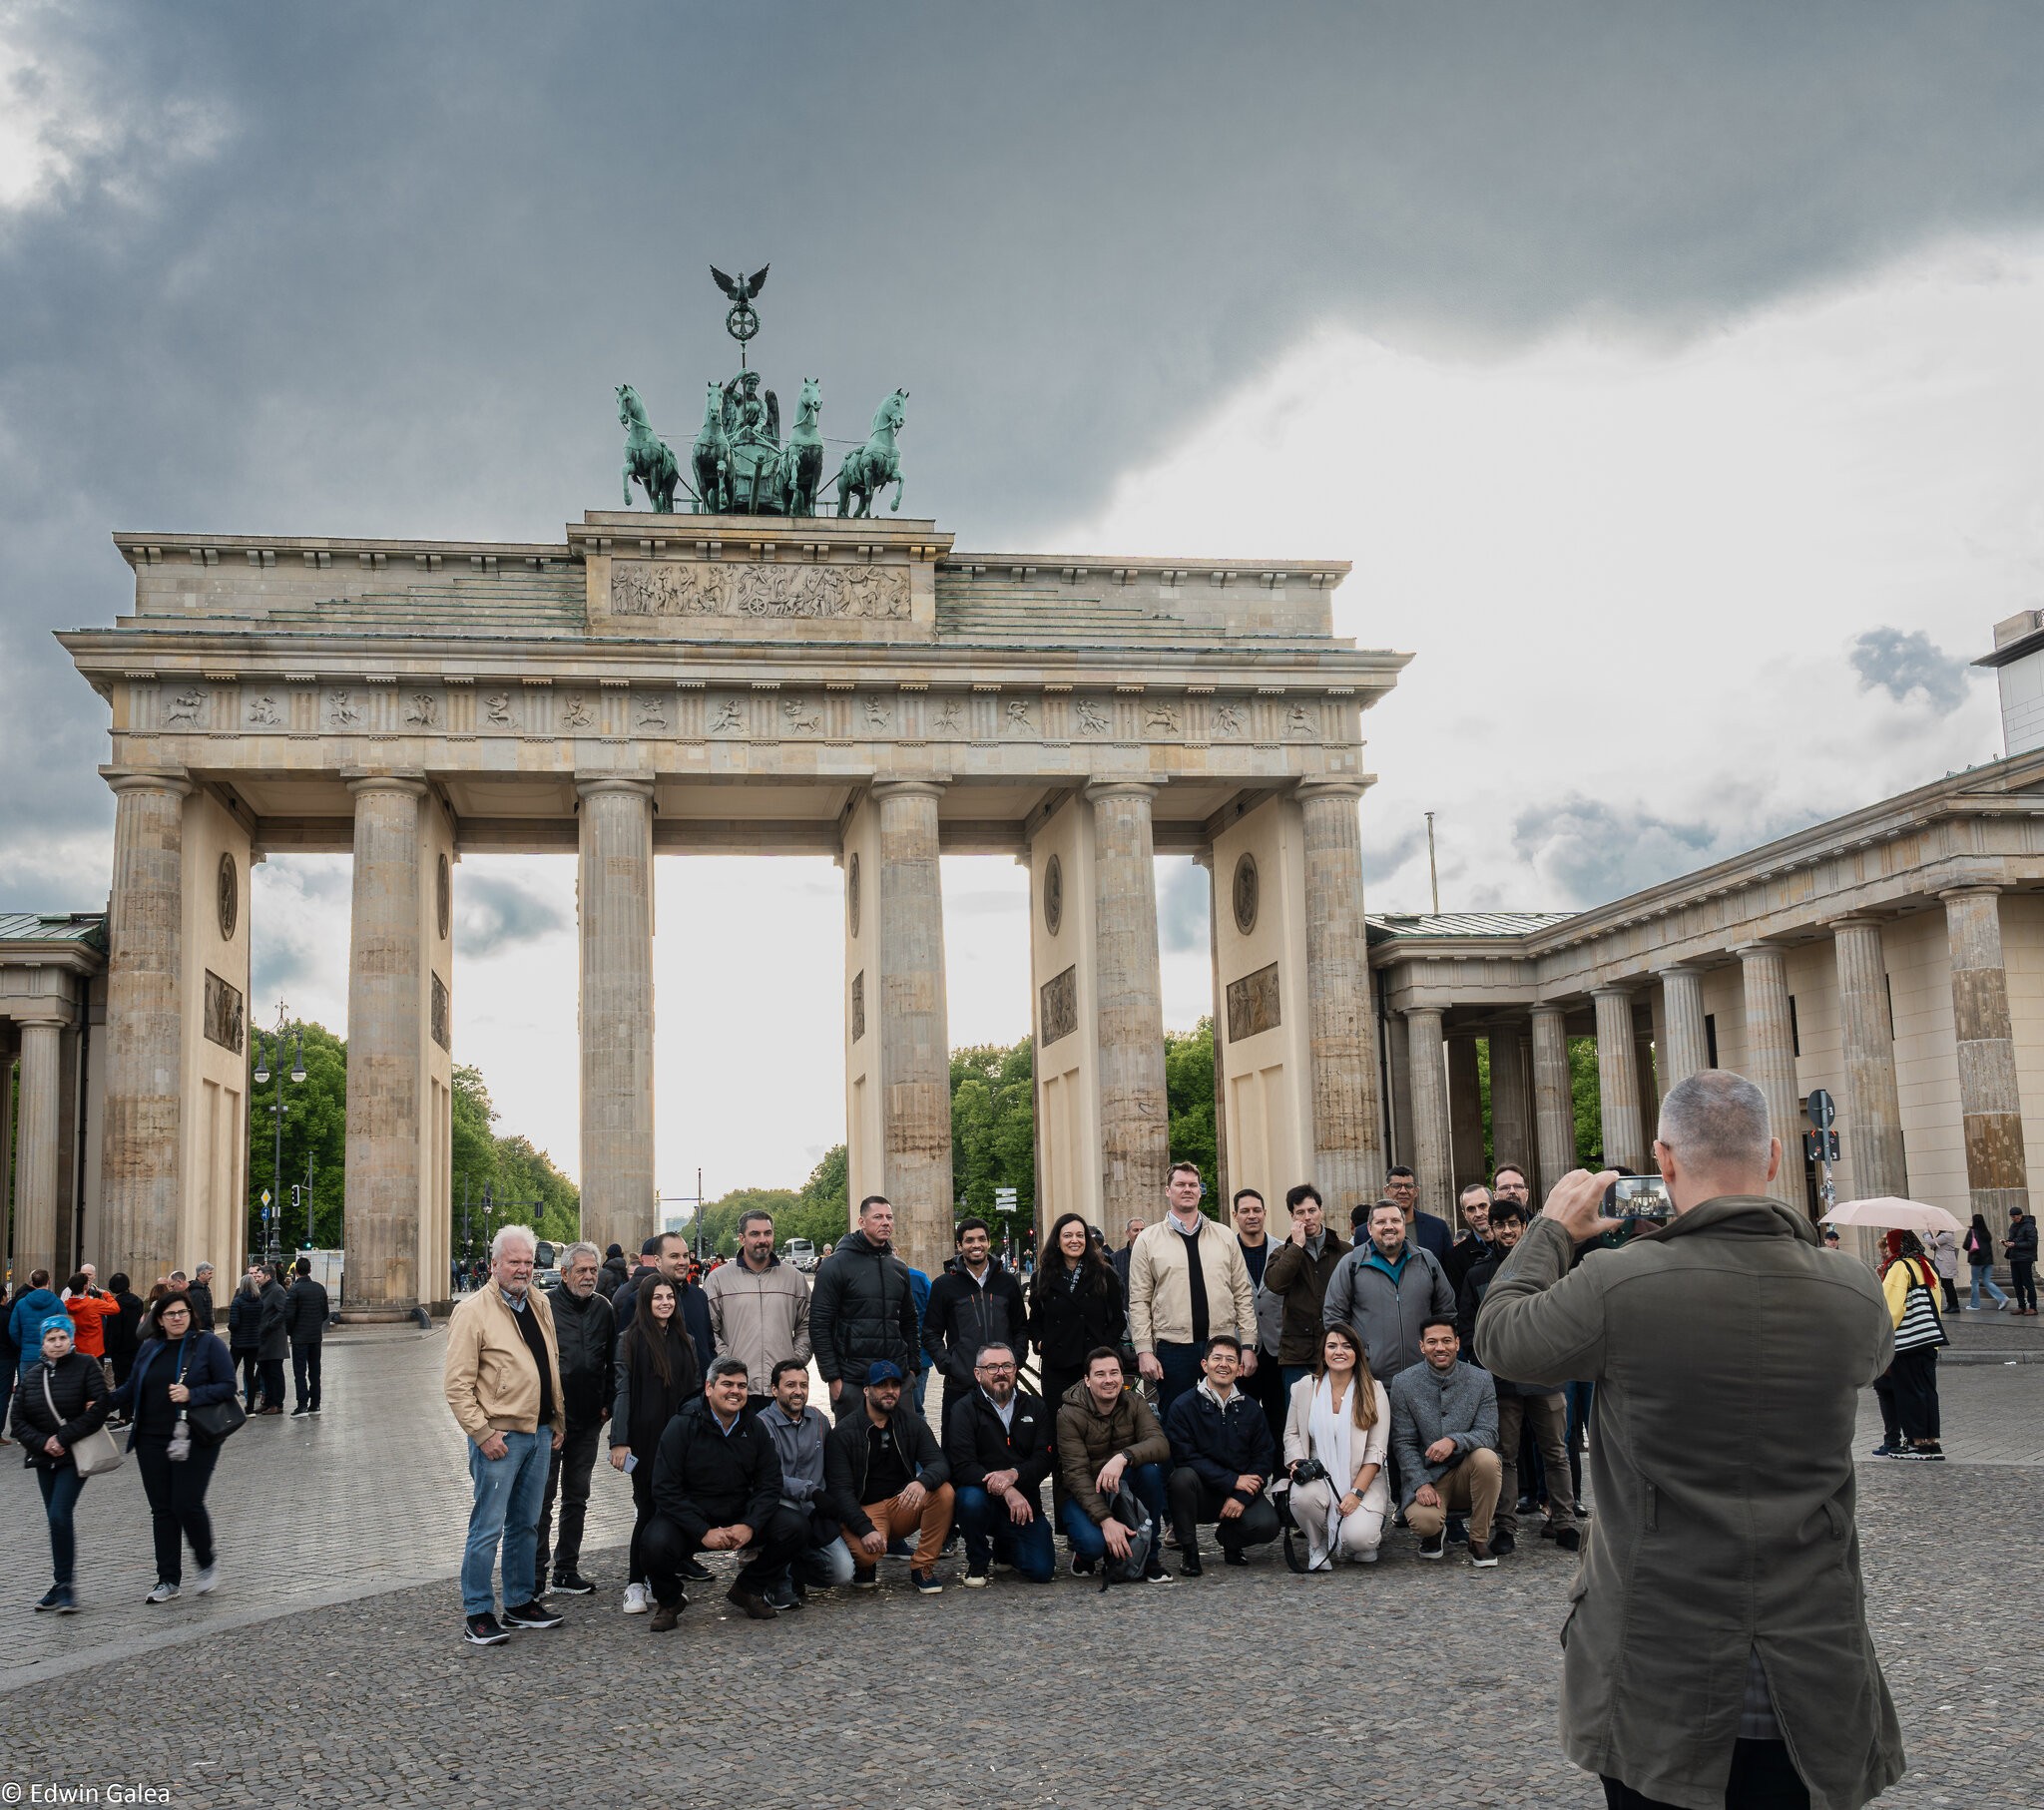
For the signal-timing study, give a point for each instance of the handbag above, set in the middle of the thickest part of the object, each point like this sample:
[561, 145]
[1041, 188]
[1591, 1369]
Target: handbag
[98, 1451]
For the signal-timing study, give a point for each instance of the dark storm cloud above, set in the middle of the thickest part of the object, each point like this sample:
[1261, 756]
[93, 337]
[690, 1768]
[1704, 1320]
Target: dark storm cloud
[377, 268]
[1902, 664]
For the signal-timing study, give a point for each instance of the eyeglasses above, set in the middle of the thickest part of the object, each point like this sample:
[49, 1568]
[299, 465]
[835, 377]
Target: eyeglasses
[994, 1369]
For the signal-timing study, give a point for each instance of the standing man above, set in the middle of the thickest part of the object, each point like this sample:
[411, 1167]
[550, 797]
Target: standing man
[1427, 1230]
[1187, 1281]
[1222, 1456]
[585, 1336]
[305, 1310]
[885, 1475]
[1474, 1245]
[998, 1442]
[759, 1307]
[863, 1308]
[1718, 1649]
[798, 1432]
[1129, 1233]
[272, 1336]
[1297, 1274]
[1264, 1384]
[667, 1254]
[503, 1382]
[200, 1293]
[1444, 1436]
[974, 1303]
[2020, 1247]
[1385, 1292]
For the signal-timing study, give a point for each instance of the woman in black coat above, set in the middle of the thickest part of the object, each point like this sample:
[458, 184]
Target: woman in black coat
[124, 1331]
[244, 1337]
[62, 1399]
[1075, 1304]
[657, 1373]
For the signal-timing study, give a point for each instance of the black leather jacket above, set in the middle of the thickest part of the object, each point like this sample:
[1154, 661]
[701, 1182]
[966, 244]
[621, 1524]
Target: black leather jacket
[586, 1334]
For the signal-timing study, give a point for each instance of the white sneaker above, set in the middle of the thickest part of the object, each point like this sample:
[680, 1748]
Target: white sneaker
[637, 1600]
[208, 1578]
[164, 1592]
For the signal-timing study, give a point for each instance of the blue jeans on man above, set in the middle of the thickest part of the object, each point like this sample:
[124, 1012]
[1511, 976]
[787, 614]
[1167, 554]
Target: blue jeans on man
[1147, 1481]
[505, 1513]
[991, 1534]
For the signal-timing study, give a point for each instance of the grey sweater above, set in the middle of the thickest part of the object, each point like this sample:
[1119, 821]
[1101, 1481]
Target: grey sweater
[800, 1444]
[1429, 1404]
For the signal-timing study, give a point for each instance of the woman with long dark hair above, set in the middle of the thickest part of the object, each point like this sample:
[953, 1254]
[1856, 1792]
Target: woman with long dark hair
[1980, 1260]
[656, 1374]
[1075, 1305]
[1907, 1389]
[1341, 1418]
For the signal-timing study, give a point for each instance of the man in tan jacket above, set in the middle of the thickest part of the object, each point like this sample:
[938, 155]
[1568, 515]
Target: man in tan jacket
[1170, 1320]
[503, 1382]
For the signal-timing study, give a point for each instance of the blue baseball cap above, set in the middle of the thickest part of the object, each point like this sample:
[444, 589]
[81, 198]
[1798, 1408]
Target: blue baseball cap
[886, 1371]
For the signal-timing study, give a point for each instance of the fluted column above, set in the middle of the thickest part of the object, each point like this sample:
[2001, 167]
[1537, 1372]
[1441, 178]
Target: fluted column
[614, 904]
[1554, 1106]
[1348, 1153]
[1770, 1059]
[1511, 1128]
[1135, 1125]
[1398, 1043]
[1873, 1115]
[1688, 1052]
[1617, 1079]
[141, 1159]
[1990, 1106]
[1433, 1133]
[38, 1156]
[384, 1081]
[915, 1044]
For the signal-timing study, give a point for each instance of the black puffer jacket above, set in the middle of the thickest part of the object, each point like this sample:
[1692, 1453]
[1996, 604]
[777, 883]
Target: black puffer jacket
[202, 1305]
[963, 1315]
[78, 1388]
[306, 1308]
[1066, 1322]
[585, 1332]
[244, 1322]
[862, 1310]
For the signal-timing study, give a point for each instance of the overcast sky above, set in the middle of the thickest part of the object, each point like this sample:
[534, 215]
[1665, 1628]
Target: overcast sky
[1671, 375]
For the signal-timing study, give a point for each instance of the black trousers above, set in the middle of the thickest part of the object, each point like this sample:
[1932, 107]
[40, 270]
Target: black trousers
[2022, 1283]
[1193, 1499]
[1909, 1395]
[669, 1545]
[177, 1504]
[272, 1368]
[1761, 1779]
[568, 1478]
[1266, 1390]
[252, 1376]
[642, 1519]
[306, 1372]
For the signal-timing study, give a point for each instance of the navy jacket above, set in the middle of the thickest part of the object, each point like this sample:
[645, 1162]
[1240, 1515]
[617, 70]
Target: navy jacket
[963, 1315]
[1221, 1443]
[209, 1372]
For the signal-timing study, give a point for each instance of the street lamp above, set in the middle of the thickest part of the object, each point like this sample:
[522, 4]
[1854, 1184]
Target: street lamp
[263, 1064]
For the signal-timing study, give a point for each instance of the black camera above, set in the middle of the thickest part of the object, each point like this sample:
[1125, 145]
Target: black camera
[1308, 1470]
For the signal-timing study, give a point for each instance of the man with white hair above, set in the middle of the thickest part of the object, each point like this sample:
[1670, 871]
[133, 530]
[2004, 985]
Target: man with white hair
[503, 1382]
[1718, 1650]
[585, 1335]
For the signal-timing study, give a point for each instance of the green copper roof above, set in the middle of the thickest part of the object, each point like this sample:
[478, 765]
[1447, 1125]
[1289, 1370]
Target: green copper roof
[1384, 926]
[87, 928]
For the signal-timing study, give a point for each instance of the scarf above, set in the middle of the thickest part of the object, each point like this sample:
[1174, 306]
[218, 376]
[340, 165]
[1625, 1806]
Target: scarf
[1330, 1433]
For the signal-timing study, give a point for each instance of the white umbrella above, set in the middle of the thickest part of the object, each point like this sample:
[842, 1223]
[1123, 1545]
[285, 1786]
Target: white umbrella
[1891, 1210]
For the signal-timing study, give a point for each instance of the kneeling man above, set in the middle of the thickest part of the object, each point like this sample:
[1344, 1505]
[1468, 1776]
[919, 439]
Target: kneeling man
[1222, 1453]
[1444, 1436]
[998, 1442]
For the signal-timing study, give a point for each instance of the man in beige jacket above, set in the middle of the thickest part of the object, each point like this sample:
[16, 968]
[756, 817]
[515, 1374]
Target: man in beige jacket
[503, 1382]
[1187, 1281]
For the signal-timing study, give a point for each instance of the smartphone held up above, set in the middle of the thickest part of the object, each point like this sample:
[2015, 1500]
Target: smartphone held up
[1638, 1197]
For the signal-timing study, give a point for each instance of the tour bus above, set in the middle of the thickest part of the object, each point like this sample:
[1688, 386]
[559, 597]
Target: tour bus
[800, 1252]
[545, 1260]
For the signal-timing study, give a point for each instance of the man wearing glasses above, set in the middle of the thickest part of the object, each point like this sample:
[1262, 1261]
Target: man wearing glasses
[997, 1440]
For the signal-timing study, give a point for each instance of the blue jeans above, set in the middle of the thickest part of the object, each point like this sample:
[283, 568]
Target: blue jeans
[1292, 1374]
[1983, 1278]
[60, 1496]
[990, 1534]
[1181, 1373]
[507, 1497]
[1080, 1529]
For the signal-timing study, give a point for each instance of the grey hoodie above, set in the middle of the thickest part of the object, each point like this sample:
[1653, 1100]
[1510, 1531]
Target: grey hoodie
[1429, 1404]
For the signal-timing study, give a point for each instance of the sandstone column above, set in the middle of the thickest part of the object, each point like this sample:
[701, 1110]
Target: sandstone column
[1223, 1175]
[1770, 1059]
[614, 902]
[1871, 1114]
[1433, 1136]
[1991, 1109]
[1135, 1121]
[1554, 1107]
[1466, 1120]
[914, 1027]
[38, 1156]
[1688, 1051]
[384, 1083]
[1348, 1155]
[1511, 1128]
[1617, 1079]
[141, 1156]
[1398, 1041]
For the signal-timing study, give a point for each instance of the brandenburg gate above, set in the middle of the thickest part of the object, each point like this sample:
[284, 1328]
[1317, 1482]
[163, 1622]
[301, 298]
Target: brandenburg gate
[663, 683]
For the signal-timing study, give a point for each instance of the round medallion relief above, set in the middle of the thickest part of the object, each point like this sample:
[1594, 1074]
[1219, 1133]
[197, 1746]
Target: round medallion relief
[1246, 894]
[851, 894]
[1053, 895]
[230, 898]
[444, 898]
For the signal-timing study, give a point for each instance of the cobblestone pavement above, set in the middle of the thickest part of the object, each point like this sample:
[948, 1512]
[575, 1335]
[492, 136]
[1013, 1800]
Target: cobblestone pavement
[1402, 1684]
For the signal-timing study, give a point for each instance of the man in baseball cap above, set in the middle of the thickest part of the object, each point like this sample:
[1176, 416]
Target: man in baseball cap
[885, 1474]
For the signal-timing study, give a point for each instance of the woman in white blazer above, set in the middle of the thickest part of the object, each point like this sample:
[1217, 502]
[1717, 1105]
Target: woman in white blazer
[1341, 1415]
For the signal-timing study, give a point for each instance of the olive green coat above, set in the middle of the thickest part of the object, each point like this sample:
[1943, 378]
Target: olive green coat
[1728, 1350]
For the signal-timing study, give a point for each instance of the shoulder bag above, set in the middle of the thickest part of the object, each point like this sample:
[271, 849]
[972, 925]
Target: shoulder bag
[98, 1451]
[216, 1420]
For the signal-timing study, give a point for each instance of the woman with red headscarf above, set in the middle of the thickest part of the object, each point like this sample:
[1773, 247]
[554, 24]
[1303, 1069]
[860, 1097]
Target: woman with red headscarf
[1908, 1388]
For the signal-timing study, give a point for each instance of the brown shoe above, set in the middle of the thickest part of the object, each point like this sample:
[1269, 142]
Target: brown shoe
[755, 1605]
[664, 1617]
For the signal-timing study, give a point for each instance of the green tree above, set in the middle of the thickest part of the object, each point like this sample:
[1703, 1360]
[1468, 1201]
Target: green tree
[1188, 1093]
[1586, 1096]
[315, 1137]
[518, 1183]
[993, 1129]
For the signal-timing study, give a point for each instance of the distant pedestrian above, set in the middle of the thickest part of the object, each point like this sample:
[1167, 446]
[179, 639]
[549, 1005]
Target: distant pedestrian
[1942, 1248]
[63, 1398]
[200, 1293]
[305, 1310]
[273, 1338]
[2021, 1249]
[32, 1306]
[244, 1337]
[123, 1329]
[502, 1380]
[1980, 1260]
[1909, 1390]
[90, 1311]
[656, 1374]
[179, 1369]
[612, 1276]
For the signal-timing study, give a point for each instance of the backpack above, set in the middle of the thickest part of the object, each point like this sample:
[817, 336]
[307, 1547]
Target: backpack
[1142, 1537]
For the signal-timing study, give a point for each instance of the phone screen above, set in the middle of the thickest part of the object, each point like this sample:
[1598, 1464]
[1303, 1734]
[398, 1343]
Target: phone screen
[1638, 1197]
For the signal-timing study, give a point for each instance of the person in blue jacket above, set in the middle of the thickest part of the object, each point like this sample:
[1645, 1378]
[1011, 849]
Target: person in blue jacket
[178, 1368]
[25, 1319]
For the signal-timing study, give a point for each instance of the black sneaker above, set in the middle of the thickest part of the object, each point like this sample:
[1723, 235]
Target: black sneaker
[1233, 1555]
[1458, 1530]
[1433, 1546]
[572, 1583]
[927, 1584]
[783, 1598]
[1153, 1568]
[1188, 1566]
[299, 1410]
[1502, 1544]
[1081, 1566]
[535, 1613]
[864, 1578]
[484, 1631]
[53, 1599]
[696, 1570]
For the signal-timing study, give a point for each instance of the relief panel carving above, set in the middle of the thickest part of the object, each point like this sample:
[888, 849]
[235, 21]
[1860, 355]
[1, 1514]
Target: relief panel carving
[1059, 1008]
[1252, 1004]
[223, 1013]
[680, 588]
